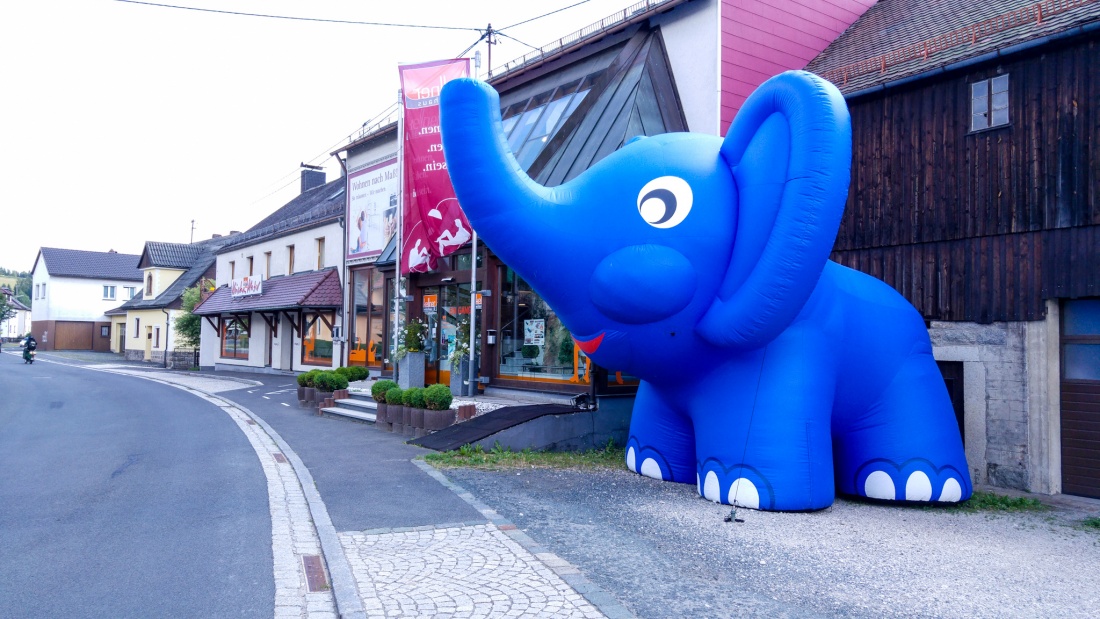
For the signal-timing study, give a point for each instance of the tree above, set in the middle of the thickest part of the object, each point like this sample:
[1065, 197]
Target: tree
[188, 325]
[7, 310]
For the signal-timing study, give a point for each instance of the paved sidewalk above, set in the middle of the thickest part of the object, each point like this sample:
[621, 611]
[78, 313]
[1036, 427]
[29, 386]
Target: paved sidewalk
[479, 567]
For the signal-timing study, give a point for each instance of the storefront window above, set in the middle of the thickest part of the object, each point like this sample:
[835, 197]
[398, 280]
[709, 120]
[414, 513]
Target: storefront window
[445, 308]
[368, 337]
[534, 345]
[317, 343]
[235, 338]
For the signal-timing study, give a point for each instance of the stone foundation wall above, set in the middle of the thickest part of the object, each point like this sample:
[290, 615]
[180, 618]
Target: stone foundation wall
[1010, 376]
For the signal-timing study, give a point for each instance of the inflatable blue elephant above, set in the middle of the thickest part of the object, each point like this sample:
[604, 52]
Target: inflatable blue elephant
[771, 376]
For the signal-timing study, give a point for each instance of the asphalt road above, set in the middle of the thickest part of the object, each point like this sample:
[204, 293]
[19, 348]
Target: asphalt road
[120, 497]
[365, 476]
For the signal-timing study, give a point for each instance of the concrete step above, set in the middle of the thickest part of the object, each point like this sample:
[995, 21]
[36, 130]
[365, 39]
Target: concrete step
[365, 397]
[363, 406]
[354, 414]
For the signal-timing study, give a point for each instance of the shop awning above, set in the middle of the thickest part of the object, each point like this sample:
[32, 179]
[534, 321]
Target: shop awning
[315, 290]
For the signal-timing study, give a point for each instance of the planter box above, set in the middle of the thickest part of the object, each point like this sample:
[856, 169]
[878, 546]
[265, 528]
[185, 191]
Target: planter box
[460, 378]
[310, 394]
[410, 371]
[417, 418]
[396, 418]
[301, 394]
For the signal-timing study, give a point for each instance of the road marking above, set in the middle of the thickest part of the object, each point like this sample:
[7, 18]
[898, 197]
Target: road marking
[284, 403]
[263, 396]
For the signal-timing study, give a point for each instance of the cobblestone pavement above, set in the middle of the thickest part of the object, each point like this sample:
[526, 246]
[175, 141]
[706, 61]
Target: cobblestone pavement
[462, 571]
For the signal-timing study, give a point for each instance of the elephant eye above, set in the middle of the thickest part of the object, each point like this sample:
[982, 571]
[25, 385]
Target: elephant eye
[664, 202]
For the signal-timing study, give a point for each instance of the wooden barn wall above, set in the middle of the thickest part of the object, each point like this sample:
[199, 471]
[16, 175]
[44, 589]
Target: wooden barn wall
[981, 226]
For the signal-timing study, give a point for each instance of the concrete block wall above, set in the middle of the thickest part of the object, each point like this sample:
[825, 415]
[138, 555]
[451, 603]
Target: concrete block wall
[1011, 419]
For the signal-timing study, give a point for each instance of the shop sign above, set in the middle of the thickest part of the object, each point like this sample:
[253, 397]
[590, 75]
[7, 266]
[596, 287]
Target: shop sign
[431, 302]
[246, 287]
[534, 332]
[372, 208]
[477, 301]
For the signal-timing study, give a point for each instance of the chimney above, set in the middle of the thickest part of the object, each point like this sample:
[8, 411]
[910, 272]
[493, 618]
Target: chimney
[312, 176]
[216, 236]
[111, 251]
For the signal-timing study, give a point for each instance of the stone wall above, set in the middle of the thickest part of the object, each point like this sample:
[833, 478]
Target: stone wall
[1010, 376]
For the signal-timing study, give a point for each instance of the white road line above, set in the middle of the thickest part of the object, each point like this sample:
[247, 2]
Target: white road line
[263, 396]
[284, 403]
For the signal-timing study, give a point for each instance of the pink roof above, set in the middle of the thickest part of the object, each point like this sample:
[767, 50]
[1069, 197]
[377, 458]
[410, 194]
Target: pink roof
[315, 289]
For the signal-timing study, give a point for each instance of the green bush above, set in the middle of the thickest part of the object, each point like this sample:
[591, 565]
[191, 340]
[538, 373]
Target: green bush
[529, 351]
[343, 371]
[359, 373]
[303, 379]
[326, 381]
[395, 395]
[438, 397]
[309, 378]
[381, 389]
[413, 397]
[339, 381]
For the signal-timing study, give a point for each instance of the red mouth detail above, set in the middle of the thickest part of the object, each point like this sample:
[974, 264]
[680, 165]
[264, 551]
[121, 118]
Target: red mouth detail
[591, 345]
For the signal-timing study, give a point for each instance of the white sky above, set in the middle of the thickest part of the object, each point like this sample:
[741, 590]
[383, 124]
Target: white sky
[120, 123]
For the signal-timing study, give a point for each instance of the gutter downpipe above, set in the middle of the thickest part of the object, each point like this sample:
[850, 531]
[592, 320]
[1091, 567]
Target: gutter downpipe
[346, 279]
[167, 324]
[962, 64]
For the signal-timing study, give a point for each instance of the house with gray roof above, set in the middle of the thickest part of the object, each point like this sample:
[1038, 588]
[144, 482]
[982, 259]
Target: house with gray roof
[277, 305]
[72, 289]
[142, 327]
[975, 191]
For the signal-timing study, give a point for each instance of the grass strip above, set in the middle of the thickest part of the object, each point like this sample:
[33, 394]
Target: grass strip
[498, 457]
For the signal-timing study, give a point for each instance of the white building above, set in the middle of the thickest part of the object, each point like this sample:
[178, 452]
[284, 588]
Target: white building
[71, 291]
[18, 325]
[287, 312]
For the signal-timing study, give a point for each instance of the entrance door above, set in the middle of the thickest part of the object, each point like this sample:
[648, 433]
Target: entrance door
[451, 309]
[1081, 397]
[122, 338]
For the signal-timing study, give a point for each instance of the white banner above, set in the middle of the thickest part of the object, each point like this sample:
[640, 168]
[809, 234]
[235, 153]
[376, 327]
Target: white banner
[246, 286]
[372, 209]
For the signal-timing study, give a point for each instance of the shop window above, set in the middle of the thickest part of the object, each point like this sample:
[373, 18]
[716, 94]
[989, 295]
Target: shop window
[367, 348]
[989, 103]
[534, 344]
[317, 343]
[235, 338]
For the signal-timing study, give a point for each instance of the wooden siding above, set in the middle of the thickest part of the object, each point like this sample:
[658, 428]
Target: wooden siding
[981, 226]
[761, 39]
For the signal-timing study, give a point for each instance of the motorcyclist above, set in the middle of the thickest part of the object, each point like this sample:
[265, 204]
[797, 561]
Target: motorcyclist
[29, 344]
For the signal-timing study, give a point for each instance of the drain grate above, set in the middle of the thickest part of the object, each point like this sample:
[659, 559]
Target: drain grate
[315, 573]
[280, 458]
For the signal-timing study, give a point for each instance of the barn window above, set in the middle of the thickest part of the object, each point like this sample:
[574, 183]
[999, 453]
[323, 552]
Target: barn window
[989, 103]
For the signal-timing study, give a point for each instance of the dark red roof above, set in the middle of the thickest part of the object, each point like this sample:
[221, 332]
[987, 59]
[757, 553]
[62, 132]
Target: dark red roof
[898, 39]
[316, 289]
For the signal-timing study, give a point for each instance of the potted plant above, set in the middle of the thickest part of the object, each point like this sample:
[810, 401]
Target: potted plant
[378, 393]
[460, 362]
[395, 409]
[414, 411]
[326, 383]
[310, 391]
[303, 380]
[410, 354]
[437, 399]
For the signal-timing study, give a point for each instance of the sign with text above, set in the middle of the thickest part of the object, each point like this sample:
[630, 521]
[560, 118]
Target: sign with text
[431, 302]
[433, 224]
[372, 208]
[534, 332]
[246, 286]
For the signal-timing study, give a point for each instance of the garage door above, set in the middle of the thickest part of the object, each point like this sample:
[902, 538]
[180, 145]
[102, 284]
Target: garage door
[1081, 398]
[74, 335]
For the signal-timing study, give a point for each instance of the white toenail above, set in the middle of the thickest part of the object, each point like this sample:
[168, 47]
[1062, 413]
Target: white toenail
[630, 459]
[710, 488]
[918, 487]
[651, 469]
[952, 492]
[879, 486]
[743, 493]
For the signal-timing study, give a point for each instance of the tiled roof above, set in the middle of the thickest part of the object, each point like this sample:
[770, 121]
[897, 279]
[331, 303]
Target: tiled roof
[897, 39]
[171, 255]
[312, 207]
[315, 289]
[15, 302]
[90, 264]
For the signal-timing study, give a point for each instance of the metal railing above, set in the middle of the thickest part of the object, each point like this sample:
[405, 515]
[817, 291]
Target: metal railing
[592, 31]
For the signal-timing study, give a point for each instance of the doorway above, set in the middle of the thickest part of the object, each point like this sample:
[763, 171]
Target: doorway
[1080, 391]
[446, 308]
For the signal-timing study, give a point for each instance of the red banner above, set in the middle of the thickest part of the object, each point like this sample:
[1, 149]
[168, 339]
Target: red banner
[434, 225]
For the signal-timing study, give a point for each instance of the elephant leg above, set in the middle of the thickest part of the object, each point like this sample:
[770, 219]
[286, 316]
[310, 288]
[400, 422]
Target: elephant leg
[907, 447]
[662, 441]
[773, 450]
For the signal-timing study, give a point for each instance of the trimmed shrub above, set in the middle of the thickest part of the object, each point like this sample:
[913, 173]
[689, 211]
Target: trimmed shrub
[438, 397]
[395, 395]
[339, 381]
[381, 389]
[343, 371]
[413, 397]
[310, 378]
[303, 379]
[326, 381]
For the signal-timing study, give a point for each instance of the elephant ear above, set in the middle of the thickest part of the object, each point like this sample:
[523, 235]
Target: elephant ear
[790, 152]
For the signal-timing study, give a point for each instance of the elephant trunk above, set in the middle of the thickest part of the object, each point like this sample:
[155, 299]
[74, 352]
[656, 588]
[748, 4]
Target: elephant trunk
[508, 209]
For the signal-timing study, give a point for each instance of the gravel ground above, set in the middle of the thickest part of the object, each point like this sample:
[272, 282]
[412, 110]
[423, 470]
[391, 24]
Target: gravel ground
[663, 551]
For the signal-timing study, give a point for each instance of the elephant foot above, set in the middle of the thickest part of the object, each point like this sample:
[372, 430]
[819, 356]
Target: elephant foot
[916, 480]
[645, 461]
[739, 485]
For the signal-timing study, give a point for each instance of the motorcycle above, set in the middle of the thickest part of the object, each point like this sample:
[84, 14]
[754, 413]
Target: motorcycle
[29, 352]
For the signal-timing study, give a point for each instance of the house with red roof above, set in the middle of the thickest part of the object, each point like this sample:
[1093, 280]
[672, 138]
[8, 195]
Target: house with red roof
[975, 192]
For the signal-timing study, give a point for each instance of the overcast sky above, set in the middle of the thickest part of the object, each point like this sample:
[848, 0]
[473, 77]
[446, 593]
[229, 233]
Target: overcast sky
[122, 122]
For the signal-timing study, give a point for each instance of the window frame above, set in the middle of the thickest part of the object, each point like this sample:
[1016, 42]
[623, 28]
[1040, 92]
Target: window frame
[109, 292]
[989, 103]
[236, 353]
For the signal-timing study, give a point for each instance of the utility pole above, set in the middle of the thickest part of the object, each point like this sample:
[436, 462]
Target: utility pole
[192, 230]
[490, 42]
